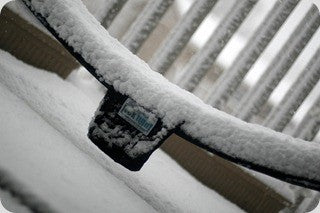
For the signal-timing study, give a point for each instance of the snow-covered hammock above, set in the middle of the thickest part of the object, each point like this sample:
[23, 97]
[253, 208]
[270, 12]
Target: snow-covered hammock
[165, 108]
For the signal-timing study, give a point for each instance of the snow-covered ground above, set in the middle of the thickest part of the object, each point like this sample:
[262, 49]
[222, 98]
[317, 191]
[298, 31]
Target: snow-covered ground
[44, 154]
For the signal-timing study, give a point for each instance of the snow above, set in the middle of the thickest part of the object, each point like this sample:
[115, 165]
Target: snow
[53, 162]
[49, 168]
[85, 82]
[62, 191]
[131, 76]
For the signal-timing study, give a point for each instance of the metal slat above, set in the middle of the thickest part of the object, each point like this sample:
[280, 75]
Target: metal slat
[142, 27]
[252, 102]
[310, 124]
[174, 43]
[280, 116]
[113, 9]
[230, 79]
[201, 63]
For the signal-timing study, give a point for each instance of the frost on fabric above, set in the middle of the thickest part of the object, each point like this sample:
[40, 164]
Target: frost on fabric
[131, 76]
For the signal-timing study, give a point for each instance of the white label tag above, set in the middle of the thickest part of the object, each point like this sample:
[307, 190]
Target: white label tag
[137, 116]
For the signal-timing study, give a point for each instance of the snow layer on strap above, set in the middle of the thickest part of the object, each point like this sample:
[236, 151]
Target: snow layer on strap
[131, 76]
[161, 183]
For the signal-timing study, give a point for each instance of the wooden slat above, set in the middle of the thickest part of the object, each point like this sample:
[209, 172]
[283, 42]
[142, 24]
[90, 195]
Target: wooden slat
[31, 45]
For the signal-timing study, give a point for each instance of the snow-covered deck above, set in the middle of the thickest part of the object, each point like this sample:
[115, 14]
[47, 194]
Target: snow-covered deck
[44, 157]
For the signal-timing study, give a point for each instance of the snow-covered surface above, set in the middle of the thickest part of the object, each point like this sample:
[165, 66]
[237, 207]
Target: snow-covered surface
[64, 177]
[44, 149]
[130, 75]
[46, 164]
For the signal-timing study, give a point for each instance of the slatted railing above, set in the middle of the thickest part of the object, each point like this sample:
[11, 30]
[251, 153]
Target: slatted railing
[145, 23]
[228, 82]
[203, 60]
[179, 36]
[224, 87]
[252, 102]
